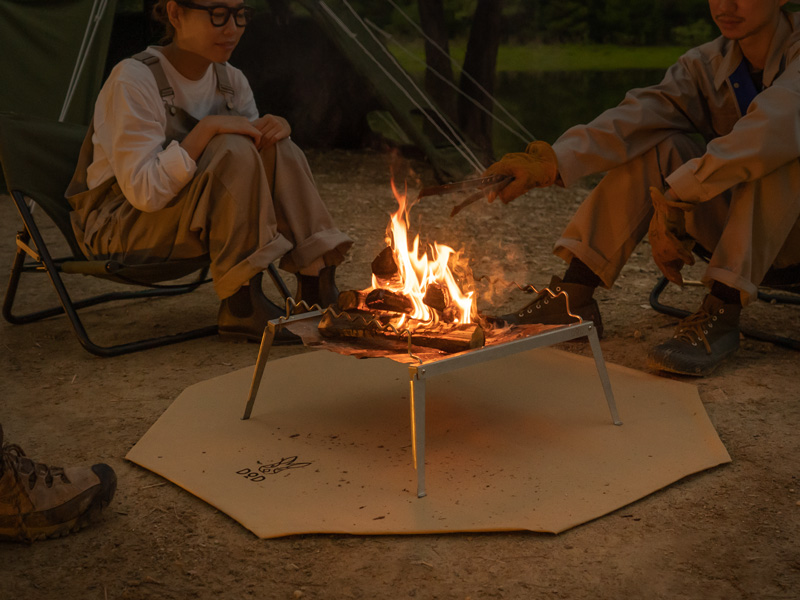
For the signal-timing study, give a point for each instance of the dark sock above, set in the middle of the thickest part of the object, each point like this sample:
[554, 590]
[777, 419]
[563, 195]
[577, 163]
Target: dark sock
[727, 294]
[578, 272]
[308, 288]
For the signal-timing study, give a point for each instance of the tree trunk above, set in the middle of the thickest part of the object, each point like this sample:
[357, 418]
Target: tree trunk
[480, 63]
[432, 21]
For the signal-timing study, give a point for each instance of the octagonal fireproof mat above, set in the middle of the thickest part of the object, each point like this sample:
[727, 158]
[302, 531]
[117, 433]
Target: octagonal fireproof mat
[524, 442]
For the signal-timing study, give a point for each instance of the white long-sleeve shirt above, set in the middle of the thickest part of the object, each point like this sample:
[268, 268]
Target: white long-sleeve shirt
[130, 124]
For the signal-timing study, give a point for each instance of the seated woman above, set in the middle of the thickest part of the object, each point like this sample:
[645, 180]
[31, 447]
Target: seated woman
[178, 164]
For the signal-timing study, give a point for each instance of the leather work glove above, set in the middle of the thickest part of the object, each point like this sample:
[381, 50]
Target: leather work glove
[671, 245]
[536, 167]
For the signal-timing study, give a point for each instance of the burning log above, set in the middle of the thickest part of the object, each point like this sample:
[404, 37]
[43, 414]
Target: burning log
[352, 300]
[437, 297]
[448, 338]
[384, 266]
[380, 299]
[453, 338]
[344, 327]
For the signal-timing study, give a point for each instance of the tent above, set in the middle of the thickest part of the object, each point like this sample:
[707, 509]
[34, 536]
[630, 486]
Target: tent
[58, 51]
[53, 56]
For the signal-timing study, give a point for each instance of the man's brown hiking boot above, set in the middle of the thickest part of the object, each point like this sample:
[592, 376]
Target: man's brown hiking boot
[701, 341]
[38, 502]
[551, 309]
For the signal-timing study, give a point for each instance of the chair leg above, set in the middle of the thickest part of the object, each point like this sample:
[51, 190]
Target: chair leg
[70, 308]
[278, 281]
[665, 309]
[755, 334]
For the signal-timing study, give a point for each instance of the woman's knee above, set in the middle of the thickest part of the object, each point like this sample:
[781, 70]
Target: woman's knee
[229, 150]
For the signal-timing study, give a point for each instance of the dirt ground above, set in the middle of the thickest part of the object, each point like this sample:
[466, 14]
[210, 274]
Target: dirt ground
[731, 532]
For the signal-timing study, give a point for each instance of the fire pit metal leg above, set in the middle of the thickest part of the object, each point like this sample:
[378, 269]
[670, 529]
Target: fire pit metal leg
[594, 342]
[263, 354]
[418, 427]
[272, 328]
[418, 374]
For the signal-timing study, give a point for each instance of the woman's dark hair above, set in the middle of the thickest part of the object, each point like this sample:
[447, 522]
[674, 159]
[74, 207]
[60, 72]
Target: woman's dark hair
[160, 16]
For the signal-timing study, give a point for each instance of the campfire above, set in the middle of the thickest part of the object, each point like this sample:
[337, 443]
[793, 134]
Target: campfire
[425, 294]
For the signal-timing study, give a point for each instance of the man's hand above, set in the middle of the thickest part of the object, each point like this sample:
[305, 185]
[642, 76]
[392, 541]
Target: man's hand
[273, 129]
[671, 245]
[536, 167]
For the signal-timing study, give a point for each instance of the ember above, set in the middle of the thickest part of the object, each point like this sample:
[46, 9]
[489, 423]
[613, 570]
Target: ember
[428, 295]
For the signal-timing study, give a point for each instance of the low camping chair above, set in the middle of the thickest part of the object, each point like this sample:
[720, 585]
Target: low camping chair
[780, 286]
[38, 158]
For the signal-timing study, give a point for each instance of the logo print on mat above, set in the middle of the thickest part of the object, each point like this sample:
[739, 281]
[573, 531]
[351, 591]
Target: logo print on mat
[256, 475]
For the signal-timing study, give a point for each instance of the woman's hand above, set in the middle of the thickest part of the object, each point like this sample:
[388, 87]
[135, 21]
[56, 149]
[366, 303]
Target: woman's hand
[197, 139]
[273, 129]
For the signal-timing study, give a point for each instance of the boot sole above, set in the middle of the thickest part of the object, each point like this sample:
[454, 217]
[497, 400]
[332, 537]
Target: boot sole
[703, 371]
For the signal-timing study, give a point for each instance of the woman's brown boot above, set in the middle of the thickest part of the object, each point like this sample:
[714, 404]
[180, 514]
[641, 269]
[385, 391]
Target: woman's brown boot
[244, 316]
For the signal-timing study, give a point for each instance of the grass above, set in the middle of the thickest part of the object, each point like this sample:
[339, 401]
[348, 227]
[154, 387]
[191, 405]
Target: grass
[555, 57]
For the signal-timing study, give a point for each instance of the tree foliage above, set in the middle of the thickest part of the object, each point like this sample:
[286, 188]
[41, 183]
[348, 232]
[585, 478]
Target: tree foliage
[655, 22]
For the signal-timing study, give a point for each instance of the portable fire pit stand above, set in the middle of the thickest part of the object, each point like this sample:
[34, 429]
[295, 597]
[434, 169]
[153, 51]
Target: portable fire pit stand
[420, 372]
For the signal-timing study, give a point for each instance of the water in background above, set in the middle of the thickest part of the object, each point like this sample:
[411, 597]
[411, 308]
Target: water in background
[549, 103]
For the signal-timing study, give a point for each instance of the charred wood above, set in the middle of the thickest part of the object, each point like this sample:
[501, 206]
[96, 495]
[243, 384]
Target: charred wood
[453, 338]
[380, 299]
[352, 300]
[437, 297]
[448, 338]
[384, 266]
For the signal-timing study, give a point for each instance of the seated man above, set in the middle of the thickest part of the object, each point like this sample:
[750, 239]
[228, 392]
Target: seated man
[737, 195]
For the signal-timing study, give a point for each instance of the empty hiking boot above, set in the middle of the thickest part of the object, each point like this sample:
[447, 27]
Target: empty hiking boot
[38, 502]
[551, 309]
[244, 316]
[701, 341]
[320, 290]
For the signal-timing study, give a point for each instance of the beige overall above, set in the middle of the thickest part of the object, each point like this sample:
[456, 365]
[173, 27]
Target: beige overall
[243, 208]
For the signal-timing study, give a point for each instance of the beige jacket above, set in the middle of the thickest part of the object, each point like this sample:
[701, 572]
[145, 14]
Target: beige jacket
[697, 96]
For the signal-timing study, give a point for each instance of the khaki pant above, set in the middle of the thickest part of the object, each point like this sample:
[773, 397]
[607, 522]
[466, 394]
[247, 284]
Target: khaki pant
[228, 211]
[749, 229]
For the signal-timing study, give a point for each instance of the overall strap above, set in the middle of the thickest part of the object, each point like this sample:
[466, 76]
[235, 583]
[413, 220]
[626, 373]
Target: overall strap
[224, 84]
[164, 88]
[743, 87]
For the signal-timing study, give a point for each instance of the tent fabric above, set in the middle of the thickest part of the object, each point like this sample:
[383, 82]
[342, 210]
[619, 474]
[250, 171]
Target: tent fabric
[41, 42]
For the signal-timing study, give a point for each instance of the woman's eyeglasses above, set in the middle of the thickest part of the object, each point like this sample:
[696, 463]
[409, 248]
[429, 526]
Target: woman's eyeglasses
[220, 13]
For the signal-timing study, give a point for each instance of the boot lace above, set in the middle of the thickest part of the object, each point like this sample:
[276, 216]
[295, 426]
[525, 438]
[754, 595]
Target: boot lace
[694, 328]
[14, 458]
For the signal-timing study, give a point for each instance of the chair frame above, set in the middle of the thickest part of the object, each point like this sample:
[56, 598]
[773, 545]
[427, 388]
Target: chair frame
[43, 261]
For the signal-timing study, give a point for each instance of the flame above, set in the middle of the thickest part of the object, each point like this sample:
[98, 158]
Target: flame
[417, 272]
